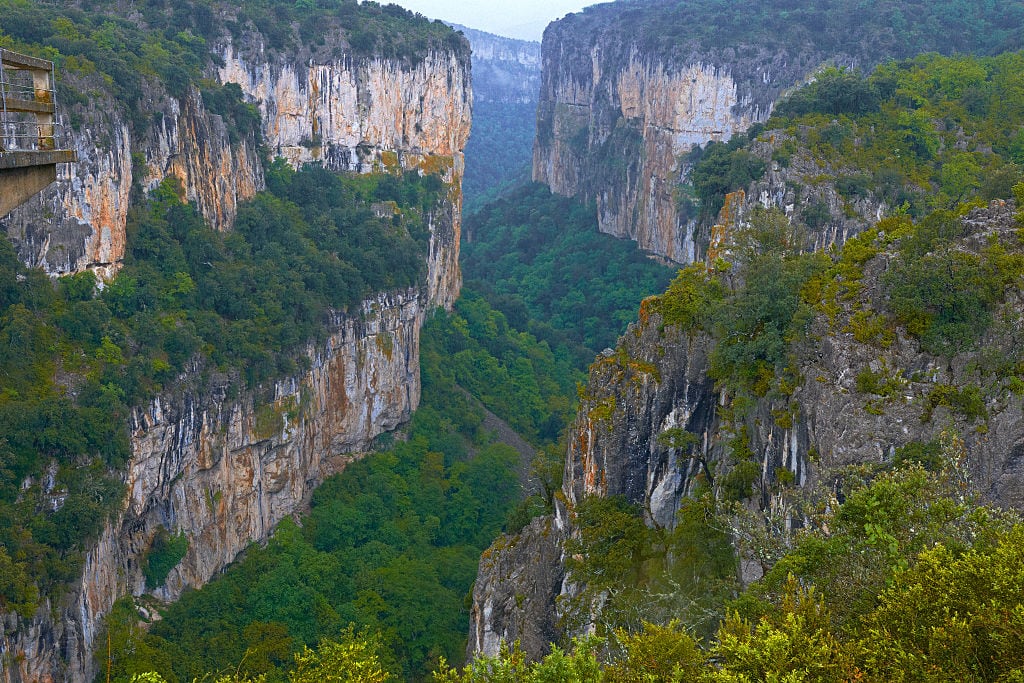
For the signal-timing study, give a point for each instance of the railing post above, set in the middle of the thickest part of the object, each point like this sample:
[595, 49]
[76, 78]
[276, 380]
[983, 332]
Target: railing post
[43, 95]
[3, 97]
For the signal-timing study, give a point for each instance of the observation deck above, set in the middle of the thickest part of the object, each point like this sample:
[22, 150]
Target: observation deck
[28, 153]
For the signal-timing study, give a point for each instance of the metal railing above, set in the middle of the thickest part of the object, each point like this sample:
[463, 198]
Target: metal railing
[28, 103]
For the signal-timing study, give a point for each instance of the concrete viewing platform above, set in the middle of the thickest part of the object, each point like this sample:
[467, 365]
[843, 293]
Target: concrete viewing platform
[28, 154]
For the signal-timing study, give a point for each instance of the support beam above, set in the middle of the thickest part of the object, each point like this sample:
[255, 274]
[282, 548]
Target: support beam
[29, 106]
[18, 185]
[16, 60]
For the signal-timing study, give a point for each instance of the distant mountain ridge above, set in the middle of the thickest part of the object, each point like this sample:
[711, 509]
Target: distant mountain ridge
[504, 69]
[506, 83]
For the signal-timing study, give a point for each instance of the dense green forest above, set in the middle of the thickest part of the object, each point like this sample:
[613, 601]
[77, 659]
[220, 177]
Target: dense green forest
[74, 360]
[539, 258]
[907, 580]
[917, 135]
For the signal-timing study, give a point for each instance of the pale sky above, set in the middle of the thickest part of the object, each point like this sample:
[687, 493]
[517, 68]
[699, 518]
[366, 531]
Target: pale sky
[523, 19]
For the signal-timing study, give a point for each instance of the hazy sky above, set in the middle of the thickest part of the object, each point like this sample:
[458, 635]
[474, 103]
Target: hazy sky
[515, 18]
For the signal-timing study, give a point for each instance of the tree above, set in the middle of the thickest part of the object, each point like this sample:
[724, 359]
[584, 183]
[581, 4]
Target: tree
[353, 658]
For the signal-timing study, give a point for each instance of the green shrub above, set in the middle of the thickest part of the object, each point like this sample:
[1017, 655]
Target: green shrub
[164, 554]
[967, 401]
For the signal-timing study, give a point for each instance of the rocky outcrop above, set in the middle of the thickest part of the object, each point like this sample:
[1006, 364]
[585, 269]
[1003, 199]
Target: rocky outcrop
[806, 190]
[514, 595]
[220, 464]
[657, 379]
[79, 222]
[627, 92]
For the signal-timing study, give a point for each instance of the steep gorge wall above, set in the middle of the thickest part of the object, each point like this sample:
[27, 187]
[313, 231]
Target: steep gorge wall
[657, 379]
[219, 464]
[615, 123]
[224, 470]
[629, 89]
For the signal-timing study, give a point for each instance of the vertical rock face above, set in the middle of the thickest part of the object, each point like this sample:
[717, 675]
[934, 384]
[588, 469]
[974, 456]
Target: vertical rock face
[221, 465]
[352, 112]
[78, 222]
[224, 470]
[629, 88]
[657, 380]
[614, 124]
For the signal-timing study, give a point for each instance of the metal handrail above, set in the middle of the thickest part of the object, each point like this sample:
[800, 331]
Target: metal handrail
[42, 95]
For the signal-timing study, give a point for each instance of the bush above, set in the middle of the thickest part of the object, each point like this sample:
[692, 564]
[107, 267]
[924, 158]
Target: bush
[164, 554]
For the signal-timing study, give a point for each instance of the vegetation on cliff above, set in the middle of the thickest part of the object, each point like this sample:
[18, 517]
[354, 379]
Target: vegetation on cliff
[892, 570]
[872, 30]
[914, 136]
[477, 352]
[392, 543]
[157, 42]
[75, 360]
[909, 579]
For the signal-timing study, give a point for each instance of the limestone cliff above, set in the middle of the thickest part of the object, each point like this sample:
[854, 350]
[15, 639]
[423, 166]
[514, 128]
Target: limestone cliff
[628, 89]
[350, 113]
[79, 222]
[219, 464]
[224, 470]
[368, 114]
[657, 379]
